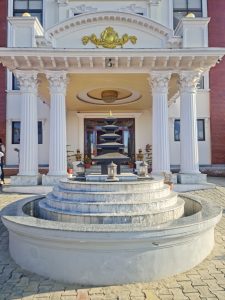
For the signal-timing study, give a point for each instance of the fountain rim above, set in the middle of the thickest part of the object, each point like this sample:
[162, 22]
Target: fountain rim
[122, 182]
[209, 215]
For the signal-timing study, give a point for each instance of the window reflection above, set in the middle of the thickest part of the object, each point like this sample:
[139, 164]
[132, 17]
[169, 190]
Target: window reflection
[33, 7]
[16, 132]
[182, 7]
[200, 128]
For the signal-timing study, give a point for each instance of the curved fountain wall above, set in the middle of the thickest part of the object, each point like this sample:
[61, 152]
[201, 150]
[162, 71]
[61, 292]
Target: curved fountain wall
[110, 233]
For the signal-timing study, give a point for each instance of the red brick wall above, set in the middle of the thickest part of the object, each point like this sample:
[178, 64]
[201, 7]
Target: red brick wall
[216, 11]
[3, 43]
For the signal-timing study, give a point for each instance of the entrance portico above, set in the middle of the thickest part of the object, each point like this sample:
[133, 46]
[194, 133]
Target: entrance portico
[57, 155]
[161, 69]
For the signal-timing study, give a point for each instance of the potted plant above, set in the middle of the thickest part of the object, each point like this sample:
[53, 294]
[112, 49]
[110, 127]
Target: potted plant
[87, 161]
[69, 167]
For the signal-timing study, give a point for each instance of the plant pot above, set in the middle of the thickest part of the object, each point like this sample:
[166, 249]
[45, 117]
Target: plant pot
[70, 171]
[87, 165]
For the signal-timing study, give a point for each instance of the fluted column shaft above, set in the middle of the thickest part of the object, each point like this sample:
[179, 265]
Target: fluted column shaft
[160, 136]
[28, 131]
[188, 123]
[57, 141]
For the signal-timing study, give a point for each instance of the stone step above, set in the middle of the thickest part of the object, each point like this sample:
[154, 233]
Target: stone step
[116, 206]
[138, 185]
[89, 196]
[145, 218]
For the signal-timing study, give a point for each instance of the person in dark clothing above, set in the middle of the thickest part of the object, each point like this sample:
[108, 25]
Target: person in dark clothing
[1, 164]
[2, 146]
[2, 158]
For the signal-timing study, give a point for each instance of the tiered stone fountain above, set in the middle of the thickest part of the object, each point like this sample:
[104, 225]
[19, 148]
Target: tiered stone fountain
[100, 232]
[146, 203]
[110, 147]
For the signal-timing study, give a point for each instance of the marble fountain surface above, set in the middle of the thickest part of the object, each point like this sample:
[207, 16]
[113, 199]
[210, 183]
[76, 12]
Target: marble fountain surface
[96, 232]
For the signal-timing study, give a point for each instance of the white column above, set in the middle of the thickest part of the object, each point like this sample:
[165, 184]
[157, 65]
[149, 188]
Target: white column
[188, 123]
[57, 140]
[160, 136]
[29, 131]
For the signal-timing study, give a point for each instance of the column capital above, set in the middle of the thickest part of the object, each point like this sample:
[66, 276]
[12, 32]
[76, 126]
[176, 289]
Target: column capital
[27, 80]
[57, 81]
[159, 81]
[188, 80]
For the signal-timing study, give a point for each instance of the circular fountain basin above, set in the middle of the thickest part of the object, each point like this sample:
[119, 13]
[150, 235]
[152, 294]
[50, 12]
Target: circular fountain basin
[103, 233]
[109, 254]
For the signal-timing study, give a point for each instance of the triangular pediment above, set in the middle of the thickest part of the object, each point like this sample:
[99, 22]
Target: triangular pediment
[70, 33]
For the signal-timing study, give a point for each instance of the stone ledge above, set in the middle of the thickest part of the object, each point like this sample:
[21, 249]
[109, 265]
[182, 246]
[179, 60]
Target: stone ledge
[191, 178]
[50, 180]
[26, 180]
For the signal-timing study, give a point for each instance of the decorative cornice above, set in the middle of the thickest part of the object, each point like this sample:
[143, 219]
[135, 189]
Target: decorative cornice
[174, 42]
[111, 18]
[124, 60]
[57, 81]
[190, 21]
[27, 80]
[188, 80]
[132, 8]
[83, 9]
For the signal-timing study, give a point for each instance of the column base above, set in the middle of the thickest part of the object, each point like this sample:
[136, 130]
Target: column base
[52, 179]
[191, 178]
[28, 180]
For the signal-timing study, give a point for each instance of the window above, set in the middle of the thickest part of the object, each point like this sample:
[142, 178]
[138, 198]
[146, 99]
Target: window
[200, 84]
[40, 135]
[200, 127]
[16, 132]
[182, 7]
[34, 7]
[177, 130]
[15, 83]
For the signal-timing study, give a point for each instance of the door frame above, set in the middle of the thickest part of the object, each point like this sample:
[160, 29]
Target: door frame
[88, 115]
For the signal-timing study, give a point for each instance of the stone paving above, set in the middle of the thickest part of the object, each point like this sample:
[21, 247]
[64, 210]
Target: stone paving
[206, 281]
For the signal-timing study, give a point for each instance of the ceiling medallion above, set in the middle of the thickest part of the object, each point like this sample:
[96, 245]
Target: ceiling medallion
[109, 38]
[112, 96]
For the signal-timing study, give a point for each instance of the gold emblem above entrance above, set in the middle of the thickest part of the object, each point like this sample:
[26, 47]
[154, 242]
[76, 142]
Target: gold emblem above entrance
[109, 38]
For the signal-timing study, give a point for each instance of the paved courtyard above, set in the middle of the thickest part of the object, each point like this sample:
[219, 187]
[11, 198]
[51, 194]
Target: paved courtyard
[206, 281]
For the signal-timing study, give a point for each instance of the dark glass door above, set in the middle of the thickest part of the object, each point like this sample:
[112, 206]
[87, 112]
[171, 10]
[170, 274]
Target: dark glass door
[92, 133]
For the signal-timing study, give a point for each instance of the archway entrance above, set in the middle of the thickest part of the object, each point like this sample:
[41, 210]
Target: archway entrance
[92, 132]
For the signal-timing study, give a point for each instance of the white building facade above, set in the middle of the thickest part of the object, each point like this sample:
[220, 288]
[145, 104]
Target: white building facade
[90, 57]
